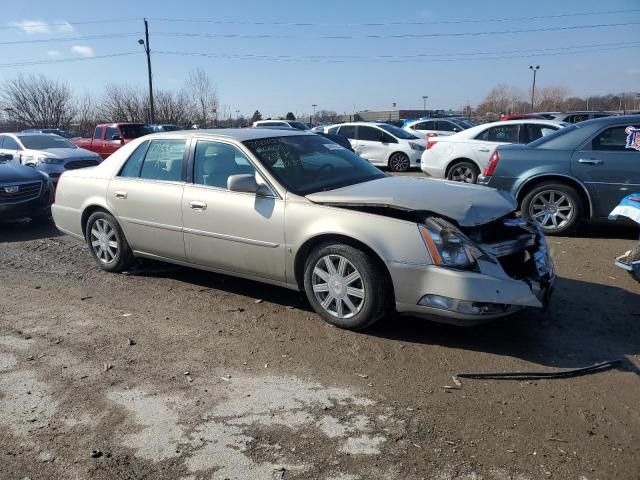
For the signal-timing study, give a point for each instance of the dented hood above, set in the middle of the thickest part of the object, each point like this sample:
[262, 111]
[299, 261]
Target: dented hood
[469, 205]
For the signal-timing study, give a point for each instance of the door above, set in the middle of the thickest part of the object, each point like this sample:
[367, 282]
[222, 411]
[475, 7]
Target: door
[372, 145]
[10, 146]
[486, 142]
[609, 166]
[232, 231]
[146, 197]
[112, 141]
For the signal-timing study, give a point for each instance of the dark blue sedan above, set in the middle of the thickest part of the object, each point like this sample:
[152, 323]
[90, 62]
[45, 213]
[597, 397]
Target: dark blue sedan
[578, 173]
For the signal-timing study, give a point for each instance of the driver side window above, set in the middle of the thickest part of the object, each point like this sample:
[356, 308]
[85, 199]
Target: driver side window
[369, 134]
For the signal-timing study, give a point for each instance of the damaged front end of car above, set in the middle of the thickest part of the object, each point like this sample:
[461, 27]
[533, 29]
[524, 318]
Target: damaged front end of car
[493, 269]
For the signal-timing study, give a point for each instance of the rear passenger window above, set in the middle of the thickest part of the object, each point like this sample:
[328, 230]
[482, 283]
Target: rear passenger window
[134, 162]
[348, 131]
[163, 160]
[506, 133]
[614, 140]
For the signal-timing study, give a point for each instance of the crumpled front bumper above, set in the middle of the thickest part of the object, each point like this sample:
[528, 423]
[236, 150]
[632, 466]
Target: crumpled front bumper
[462, 297]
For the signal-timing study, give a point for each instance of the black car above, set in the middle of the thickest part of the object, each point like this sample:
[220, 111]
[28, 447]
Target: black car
[24, 191]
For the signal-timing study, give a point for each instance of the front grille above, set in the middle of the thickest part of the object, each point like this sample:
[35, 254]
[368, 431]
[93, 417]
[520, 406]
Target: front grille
[80, 164]
[24, 193]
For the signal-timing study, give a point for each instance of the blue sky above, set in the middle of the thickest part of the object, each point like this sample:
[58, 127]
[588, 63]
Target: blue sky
[371, 80]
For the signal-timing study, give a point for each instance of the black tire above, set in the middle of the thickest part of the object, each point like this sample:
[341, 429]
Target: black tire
[374, 283]
[399, 162]
[463, 169]
[123, 257]
[634, 256]
[532, 201]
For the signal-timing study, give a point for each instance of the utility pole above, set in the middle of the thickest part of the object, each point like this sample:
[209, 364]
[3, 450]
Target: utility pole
[147, 50]
[424, 105]
[533, 88]
[314, 114]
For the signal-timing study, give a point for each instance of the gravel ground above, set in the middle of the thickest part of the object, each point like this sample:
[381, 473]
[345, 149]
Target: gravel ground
[173, 373]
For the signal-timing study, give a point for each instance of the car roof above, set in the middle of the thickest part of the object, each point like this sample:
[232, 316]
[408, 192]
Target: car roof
[239, 134]
[31, 134]
[612, 119]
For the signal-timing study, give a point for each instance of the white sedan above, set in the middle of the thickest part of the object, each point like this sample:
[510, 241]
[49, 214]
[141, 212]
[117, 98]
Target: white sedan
[462, 156]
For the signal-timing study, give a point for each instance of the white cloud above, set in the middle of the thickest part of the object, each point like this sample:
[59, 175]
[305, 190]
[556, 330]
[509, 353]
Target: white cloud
[83, 50]
[32, 26]
[64, 27]
[54, 53]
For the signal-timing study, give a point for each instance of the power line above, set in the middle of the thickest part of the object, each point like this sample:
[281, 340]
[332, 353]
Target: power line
[65, 60]
[394, 36]
[393, 58]
[379, 24]
[71, 39]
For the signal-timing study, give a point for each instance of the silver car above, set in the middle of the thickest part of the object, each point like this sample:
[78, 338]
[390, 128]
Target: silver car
[46, 152]
[296, 210]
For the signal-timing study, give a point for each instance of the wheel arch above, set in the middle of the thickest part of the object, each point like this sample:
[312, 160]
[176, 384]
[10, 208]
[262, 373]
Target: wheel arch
[90, 210]
[534, 181]
[313, 242]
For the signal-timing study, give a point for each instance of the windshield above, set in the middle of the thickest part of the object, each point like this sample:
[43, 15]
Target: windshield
[299, 125]
[306, 164]
[397, 132]
[135, 131]
[44, 142]
[558, 133]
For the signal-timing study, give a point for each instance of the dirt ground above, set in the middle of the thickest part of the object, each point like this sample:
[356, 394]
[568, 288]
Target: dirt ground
[173, 373]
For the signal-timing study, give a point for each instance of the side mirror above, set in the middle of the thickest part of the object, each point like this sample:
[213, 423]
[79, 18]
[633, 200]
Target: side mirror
[247, 183]
[116, 137]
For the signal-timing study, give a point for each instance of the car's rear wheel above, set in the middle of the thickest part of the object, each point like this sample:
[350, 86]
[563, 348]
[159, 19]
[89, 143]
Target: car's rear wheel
[463, 171]
[107, 242]
[556, 207]
[399, 162]
[345, 286]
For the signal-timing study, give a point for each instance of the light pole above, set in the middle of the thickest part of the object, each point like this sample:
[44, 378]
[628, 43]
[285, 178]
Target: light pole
[533, 87]
[424, 104]
[147, 50]
[314, 114]
[238, 118]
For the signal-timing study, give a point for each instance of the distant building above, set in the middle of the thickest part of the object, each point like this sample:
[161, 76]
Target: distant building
[389, 115]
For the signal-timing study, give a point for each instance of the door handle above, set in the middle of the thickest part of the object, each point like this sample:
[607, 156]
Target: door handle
[120, 194]
[591, 161]
[195, 205]
[484, 150]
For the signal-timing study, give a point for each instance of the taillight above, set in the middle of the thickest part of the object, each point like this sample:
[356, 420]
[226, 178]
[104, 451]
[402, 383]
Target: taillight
[493, 163]
[431, 143]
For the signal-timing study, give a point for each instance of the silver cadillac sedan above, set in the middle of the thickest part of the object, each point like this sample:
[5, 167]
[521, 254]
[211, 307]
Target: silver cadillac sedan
[296, 210]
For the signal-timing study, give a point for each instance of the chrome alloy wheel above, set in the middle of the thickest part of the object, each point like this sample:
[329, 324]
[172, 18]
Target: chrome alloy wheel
[337, 286]
[104, 241]
[552, 209]
[462, 173]
[399, 162]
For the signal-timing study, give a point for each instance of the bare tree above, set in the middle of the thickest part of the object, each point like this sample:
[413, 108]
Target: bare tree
[328, 116]
[203, 96]
[123, 103]
[501, 99]
[86, 115]
[172, 107]
[551, 98]
[36, 101]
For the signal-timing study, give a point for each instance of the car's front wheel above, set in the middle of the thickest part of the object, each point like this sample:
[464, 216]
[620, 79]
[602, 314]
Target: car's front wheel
[107, 242]
[556, 207]
[345, 286]
[399, 162]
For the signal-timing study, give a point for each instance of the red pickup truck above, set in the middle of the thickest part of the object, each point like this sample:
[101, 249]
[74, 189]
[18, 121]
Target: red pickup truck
[109, 137]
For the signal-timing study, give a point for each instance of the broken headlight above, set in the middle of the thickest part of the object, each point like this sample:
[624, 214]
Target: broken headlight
[447, 245]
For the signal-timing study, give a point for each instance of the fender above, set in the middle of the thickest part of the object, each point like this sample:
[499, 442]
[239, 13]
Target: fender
[520, 186]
